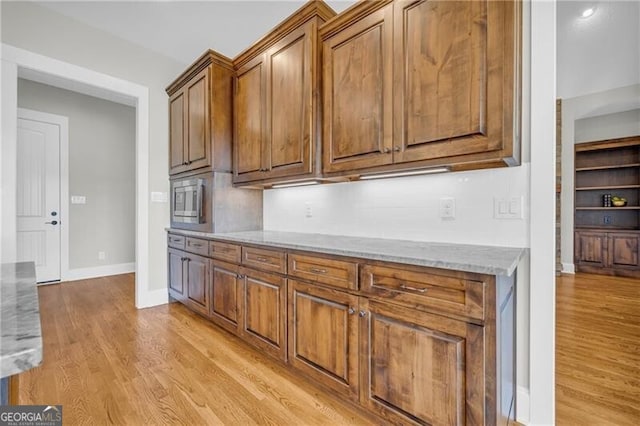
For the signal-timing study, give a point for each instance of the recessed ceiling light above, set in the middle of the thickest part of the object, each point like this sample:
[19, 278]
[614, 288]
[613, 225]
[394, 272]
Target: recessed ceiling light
[588, 12]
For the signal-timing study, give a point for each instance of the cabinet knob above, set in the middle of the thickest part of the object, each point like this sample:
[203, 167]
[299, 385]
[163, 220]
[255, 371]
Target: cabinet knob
[387, 150]
[351, 311]
[396, 149]
[362, 314]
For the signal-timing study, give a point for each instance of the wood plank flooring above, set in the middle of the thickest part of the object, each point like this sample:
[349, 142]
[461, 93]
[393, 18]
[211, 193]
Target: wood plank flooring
[597, 350]
[108, 363]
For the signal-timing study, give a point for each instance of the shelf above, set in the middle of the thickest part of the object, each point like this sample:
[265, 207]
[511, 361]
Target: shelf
[609, 208]
[606, 228]
[620, 166]
[594, 188]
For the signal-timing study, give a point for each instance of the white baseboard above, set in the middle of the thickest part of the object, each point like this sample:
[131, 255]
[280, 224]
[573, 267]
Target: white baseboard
[568, 268]
[153, 298]
[98, 271]
[522, 405]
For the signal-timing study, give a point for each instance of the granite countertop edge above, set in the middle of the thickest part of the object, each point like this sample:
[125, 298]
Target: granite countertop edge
[20, 328]
[492, 260]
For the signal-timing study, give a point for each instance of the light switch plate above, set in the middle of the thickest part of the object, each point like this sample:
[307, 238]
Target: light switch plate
[159, 197]
[508, 207]
[78, 199]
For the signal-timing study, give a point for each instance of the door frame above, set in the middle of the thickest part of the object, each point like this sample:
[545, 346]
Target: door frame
[63, 124]
[19, 62]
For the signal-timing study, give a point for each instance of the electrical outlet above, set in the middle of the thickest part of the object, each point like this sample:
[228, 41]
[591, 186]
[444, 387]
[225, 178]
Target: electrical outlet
[308, 210]
[102, 255]
[607, 220]
[447, 208]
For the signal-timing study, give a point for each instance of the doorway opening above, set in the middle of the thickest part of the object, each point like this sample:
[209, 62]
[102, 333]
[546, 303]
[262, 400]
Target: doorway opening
[22, 63]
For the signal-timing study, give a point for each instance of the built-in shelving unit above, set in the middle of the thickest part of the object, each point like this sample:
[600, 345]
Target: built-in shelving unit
[607, 238]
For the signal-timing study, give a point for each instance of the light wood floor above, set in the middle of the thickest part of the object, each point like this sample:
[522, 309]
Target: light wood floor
[107, 362]
[597, 350]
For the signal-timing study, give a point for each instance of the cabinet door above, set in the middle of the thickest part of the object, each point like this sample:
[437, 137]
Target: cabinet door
[290, 92]
[197, 149]
[591, 248]
[197, 283]
[623, 250]
[420, 367]
[250, 121]
[449, 92]
[225, 294]
[176, 273]
[323, 336]
[357, 79]
[177, 159]
[263, 311]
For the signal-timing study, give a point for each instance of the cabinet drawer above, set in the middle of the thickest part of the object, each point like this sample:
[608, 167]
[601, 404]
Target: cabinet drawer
[198, 246]
[426, 289]
[337, 273]
[176, 241]
[224, 251]
[265, 259]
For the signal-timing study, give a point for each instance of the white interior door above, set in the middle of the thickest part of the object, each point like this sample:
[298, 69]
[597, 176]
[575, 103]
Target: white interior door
[38, 196]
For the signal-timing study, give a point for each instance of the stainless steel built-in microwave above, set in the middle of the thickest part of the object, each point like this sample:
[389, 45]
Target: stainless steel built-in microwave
[187, 199]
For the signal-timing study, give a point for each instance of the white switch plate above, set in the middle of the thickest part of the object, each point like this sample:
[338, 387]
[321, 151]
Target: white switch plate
[78, 199]
[508, 207]
[447, 208]
[159, 197]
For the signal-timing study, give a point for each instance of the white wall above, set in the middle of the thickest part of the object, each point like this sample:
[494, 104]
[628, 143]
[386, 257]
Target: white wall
[604, 115]
[607, 126]
[36, 29]
[101, 168]
[407, 207]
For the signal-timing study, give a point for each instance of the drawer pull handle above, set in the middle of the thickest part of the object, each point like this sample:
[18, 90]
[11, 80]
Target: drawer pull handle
[318, 271]
[407, 287]
[195, 245]
[262, 259]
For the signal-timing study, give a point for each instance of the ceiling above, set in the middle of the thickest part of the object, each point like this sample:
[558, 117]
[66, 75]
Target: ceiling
[597, 53]
[183, 30]
[593, 54]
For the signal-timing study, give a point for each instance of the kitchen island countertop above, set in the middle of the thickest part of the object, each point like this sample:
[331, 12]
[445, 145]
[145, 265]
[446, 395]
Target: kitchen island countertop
[20, 330]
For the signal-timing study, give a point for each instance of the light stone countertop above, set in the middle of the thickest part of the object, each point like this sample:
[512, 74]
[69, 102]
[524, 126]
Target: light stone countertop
[490, 260]
[20, 331]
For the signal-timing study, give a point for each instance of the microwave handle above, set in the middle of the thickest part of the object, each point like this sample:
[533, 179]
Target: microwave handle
[200, 201]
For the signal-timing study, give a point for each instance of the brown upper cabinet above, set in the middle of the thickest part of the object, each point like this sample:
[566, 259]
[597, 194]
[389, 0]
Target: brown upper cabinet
[417, 84]
[277, 104]
[200, 123]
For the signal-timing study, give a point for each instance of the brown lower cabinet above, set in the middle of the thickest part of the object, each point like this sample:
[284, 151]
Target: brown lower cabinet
[188, 278]
[226, 292]
[412, 345]
[608, 252]
[263, 308]
[324, 335]
[419, 367]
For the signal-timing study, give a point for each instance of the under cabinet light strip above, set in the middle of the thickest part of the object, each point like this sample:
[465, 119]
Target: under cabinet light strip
[408, 173]
[292, 184]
